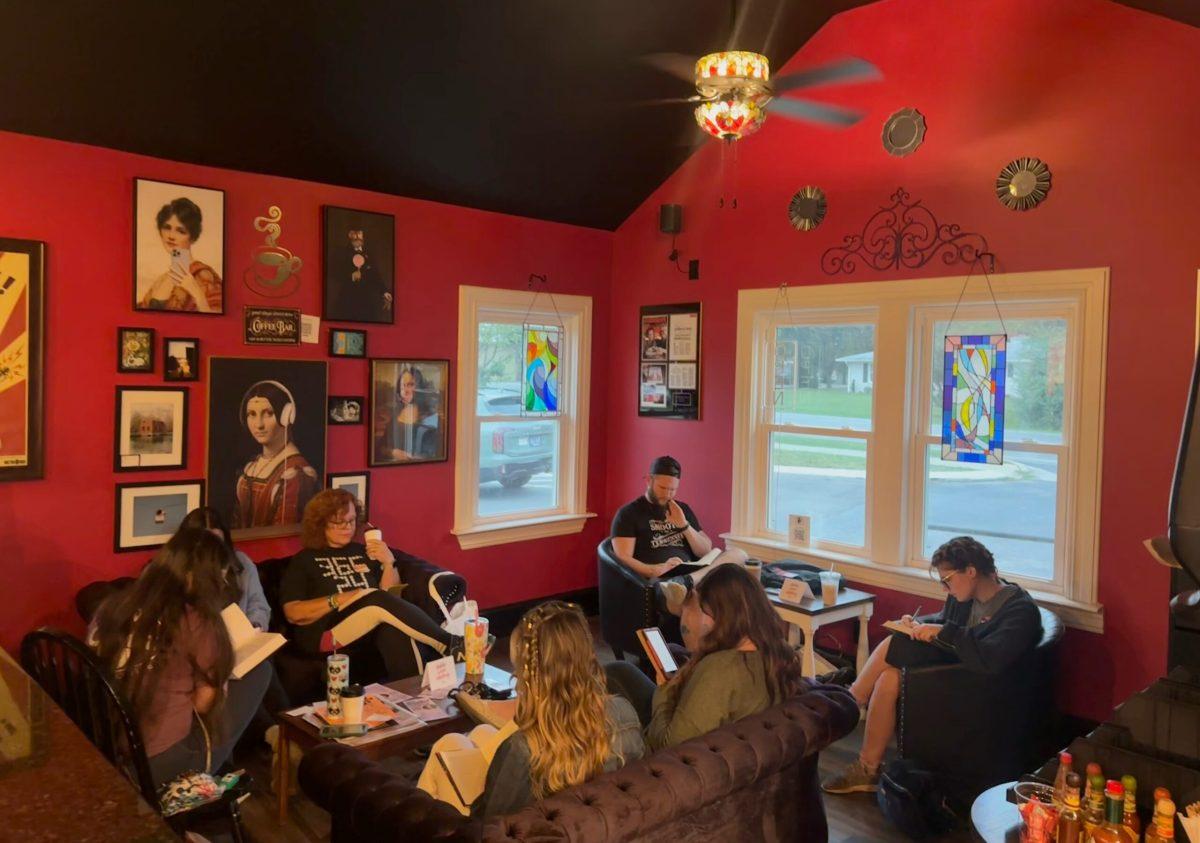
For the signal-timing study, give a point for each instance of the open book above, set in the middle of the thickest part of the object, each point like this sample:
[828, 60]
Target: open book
[899, 626]
[707, 559]
[467, 768]
[250, 646]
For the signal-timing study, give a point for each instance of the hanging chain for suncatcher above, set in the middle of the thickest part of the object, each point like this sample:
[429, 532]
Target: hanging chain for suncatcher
[526, 329]
[983, 259]
[776, 395]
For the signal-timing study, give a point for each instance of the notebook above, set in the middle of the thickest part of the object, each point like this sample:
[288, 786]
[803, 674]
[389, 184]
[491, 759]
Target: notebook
[250, 646]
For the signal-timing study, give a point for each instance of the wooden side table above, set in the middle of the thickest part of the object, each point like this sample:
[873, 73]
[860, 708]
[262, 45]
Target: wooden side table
[807, 617]
[296, 730]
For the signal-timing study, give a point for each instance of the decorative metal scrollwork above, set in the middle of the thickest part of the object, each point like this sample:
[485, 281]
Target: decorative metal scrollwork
[903, 235]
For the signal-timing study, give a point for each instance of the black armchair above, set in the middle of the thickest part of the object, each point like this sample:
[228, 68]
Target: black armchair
[628, 602]
[978, 730]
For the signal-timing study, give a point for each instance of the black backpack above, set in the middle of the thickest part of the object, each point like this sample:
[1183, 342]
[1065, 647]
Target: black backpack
[912, 800]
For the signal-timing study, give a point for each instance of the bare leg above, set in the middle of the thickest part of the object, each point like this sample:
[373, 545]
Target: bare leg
[881, 718]
[675, 592]
[876, 664]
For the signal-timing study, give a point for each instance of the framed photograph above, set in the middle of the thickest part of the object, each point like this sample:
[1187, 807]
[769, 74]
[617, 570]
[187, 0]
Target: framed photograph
[181, 359]
[148, 514]
[178, 248]
[654, 337]
[347, 342]
[22, 289]
[151, 428]
[345, 409]
[408, 411]
[135, 350]
[271, 325]
[266, 442]
[357, 483]
[669, 361]
[359, 249]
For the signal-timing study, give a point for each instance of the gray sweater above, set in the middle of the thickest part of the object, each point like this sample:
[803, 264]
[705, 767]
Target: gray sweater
[509, 788]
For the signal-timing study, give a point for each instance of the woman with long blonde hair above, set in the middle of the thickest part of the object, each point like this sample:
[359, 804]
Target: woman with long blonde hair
[566, 729]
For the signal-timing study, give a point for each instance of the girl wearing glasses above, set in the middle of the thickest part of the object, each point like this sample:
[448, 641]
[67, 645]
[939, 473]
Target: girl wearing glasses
[985, 624]
[339, 586]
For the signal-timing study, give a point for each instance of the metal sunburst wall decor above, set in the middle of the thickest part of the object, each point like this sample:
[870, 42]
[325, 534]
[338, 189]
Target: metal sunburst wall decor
[807, 208]
[903, 132]
[1023, 184]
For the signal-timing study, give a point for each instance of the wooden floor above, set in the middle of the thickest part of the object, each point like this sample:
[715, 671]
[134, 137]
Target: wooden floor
[852, 819]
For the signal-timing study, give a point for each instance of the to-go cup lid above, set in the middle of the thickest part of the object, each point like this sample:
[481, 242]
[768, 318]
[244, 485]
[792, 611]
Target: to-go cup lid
[352, 691]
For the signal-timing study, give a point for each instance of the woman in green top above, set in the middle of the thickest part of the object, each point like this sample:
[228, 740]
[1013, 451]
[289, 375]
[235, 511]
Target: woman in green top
[740, 663]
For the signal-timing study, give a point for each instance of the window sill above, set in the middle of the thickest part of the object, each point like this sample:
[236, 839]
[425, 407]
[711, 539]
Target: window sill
[1086, 616]
[505, 532]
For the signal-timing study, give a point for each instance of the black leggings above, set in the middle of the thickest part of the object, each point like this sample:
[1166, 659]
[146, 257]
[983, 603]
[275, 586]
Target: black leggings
[398, 645]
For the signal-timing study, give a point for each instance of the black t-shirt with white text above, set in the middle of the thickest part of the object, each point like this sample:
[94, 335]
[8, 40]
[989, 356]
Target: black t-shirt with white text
[655, 538]
[321, 573]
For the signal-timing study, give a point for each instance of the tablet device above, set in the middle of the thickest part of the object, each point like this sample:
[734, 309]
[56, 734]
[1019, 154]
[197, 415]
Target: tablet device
[656, 648]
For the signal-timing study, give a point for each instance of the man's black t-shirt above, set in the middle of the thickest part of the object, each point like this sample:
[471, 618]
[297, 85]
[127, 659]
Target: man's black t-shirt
[321, 573]
[656, 538]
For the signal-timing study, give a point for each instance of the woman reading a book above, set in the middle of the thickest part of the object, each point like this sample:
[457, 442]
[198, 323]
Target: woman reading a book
[566, 729]
[740, 663]
[164, 640]
[985, 624]
[339, 586]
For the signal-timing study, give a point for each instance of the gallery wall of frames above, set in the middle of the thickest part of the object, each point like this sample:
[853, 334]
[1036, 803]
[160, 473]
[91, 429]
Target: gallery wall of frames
[176, 335]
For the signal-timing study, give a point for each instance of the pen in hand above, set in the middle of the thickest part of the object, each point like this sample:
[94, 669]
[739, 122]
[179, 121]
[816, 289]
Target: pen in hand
[913, 616]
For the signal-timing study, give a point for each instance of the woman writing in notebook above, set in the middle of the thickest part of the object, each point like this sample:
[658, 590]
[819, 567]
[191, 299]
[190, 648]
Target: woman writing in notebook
[740, 663]
[566, 729]
[986, 624]
[164, 640]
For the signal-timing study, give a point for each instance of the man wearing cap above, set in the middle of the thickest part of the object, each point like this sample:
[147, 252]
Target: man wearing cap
[656, 534]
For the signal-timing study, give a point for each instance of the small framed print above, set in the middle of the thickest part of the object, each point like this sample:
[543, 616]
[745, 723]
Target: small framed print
[357, 483]
[346, 342]
[178, 248]
[346, 409]
[271, 326]
[799, 530]
[148, 514]
[408, 411]
[150, 428]
[135, 350]
[181, 359]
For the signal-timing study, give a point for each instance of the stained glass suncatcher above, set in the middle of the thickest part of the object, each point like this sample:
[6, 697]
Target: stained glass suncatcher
[541, 369]
[973, 398]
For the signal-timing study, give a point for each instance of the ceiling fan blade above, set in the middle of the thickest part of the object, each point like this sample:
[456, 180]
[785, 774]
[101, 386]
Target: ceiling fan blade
[816, 112]
[668, 101]
[841, 71]
[676, 64]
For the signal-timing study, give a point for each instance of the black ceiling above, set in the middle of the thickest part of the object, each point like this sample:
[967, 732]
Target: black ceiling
[519, 106]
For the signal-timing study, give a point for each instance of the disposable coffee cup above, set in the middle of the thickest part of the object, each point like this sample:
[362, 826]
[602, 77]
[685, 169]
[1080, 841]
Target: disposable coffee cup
[352, 704]
[830, 580]
[754, 567]
[374, 534]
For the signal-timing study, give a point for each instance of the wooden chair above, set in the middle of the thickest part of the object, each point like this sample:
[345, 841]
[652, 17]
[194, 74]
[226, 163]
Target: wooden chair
[74, 678]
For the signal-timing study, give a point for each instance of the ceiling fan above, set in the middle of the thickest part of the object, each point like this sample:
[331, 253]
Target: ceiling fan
[734, 91]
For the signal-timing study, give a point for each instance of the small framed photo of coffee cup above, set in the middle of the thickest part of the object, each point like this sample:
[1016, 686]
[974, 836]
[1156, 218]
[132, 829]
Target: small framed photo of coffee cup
[135, 350]
[181, 356]
[346, 342]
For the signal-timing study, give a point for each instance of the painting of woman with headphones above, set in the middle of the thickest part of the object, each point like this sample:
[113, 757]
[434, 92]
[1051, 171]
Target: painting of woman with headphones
[276, 461]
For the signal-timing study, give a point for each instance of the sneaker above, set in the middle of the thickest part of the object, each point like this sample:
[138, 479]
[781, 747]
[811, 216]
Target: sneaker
[853, 779]
[674, 594]
[843, 676]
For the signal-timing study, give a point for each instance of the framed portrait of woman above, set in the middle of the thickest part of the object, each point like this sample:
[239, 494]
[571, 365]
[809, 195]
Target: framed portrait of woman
[266, 442]
[408, 411]
[178, 248]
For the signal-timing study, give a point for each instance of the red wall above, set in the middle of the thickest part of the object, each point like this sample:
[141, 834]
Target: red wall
[1109, 97]
[57, 532]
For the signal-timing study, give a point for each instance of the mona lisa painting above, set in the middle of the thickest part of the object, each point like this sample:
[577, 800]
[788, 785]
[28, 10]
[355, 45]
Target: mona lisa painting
[266, 442]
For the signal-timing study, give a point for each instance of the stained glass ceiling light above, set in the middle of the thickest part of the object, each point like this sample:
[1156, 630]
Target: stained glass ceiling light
[734, 84]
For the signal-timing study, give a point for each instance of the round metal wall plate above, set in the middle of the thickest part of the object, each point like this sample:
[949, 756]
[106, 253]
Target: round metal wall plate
[1023, 184]
[807, 208]
[903, 132]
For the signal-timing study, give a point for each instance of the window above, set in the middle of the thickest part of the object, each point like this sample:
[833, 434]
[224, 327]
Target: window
[519, 475]
[838, 417]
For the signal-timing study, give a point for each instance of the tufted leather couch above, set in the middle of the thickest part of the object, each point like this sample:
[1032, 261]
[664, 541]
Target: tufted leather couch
[753, 780]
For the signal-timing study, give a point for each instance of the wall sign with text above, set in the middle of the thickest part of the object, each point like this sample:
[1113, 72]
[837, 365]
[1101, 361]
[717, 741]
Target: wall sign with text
[272, 326]
[669, 361]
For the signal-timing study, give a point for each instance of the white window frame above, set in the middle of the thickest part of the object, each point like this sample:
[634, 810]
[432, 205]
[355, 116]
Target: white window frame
[487, 304]
[893, 552]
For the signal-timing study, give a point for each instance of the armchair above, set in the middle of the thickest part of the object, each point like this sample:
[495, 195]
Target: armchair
[977, 730]
[628, 602]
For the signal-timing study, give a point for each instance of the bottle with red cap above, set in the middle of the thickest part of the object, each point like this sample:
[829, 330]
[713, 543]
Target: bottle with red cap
[1112, 830]
[1162, 827]
[1060, 780]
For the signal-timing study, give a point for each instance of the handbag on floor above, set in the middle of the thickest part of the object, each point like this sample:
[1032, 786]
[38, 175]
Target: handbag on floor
[912, 800]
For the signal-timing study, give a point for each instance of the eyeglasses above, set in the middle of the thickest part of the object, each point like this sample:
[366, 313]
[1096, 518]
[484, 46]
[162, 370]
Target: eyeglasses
[945, 581]
[348, 522]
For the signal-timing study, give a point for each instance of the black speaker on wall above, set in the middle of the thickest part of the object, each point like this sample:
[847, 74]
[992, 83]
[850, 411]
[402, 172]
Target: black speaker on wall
[670, 219]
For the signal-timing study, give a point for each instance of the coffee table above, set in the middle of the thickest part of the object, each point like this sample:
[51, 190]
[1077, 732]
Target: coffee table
[294, 729]
[812, 614]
